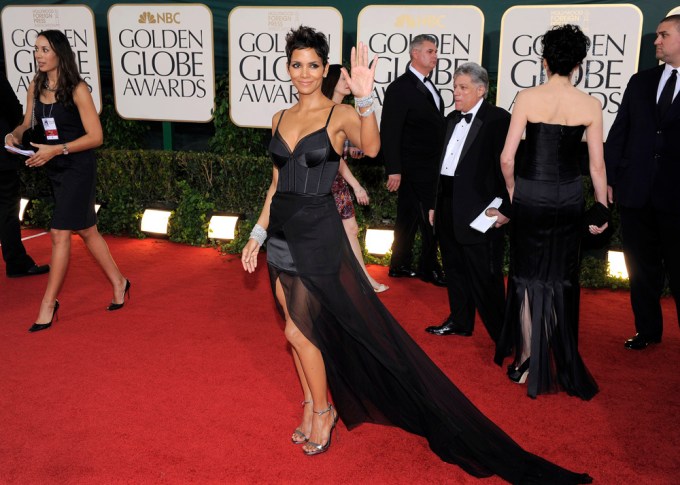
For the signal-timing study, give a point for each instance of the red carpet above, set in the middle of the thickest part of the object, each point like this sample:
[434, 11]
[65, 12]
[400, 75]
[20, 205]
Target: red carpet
[191, 382]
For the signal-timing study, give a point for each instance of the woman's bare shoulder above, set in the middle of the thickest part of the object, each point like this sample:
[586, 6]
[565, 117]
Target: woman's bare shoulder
[275, 119]
[583, 101]
[344, 110]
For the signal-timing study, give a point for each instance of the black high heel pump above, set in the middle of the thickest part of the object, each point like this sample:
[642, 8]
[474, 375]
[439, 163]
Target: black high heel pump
[519, 374]
[117, 306]
[36, 327]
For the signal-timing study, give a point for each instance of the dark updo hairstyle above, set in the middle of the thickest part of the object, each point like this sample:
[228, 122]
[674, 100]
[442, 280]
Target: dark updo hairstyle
[307, 38]
[331, 80]
[69, 77]
[564, 47]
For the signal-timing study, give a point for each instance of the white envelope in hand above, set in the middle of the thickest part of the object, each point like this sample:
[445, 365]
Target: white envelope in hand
[13, 149]
[482, 222]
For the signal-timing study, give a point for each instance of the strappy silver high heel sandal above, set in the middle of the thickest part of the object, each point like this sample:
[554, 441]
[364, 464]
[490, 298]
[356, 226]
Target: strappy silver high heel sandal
[299, 437]
[316, 447]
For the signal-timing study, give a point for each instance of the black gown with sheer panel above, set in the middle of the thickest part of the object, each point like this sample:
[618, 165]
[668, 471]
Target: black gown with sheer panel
[545, 240]
[376, 372]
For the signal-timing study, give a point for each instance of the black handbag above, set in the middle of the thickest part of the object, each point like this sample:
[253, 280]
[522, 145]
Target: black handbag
[596, 215]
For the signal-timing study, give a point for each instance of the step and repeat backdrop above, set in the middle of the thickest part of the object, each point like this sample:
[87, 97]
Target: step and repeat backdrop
[163, 55]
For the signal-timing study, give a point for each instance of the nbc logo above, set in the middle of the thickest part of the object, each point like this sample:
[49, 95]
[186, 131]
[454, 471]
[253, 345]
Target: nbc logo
[147, 18]
[159, 18]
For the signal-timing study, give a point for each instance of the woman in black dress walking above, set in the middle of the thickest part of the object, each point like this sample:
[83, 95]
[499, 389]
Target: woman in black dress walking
[60, 105]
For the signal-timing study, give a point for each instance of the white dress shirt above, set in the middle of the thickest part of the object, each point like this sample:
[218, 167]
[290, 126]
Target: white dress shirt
[664, 77]
[429, 85]
[456, 142]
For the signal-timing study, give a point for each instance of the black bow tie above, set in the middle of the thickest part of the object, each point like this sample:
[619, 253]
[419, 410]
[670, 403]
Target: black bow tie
[460, 116]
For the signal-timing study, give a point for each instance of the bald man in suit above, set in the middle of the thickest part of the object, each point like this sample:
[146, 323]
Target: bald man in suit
[642, 155]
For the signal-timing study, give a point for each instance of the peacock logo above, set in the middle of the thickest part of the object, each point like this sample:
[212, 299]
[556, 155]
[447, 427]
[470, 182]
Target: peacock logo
[147, 18]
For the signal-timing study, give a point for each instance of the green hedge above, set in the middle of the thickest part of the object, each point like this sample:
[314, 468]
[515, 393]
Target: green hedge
[194, 185]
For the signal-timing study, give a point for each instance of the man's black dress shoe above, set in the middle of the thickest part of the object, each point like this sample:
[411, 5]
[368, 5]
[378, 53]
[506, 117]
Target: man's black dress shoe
[448, 328]
[32, 271]
[401, 272]
[435, 277]
[639, 342]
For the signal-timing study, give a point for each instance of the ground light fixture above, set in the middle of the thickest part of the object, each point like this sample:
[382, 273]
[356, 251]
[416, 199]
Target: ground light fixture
[22, 208]
[616, 266]
[222, 226]
[379, 241]
[155, 221]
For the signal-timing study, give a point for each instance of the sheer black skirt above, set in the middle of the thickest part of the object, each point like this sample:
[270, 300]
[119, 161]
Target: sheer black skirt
[376, 372]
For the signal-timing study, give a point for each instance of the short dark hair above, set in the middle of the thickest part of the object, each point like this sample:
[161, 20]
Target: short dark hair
[564, 47]
[418, 41]
[69, 77]
[307, 38]
[672, 18]
[331, 80]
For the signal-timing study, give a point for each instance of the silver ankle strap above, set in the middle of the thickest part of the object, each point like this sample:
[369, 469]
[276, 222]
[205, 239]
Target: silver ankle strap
[321, 413]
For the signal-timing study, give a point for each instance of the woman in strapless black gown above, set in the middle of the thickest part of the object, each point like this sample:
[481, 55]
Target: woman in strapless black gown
[342, 337]
[60, 107]
[547, 221]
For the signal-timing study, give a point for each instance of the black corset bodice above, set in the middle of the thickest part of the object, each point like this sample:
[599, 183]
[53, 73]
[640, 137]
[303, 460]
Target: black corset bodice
[310, 167]
[552, 152]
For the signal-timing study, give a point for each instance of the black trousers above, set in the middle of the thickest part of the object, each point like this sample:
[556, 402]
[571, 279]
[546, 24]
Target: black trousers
[13, 251]
[474, 273]
[412, 215]
[651, 242]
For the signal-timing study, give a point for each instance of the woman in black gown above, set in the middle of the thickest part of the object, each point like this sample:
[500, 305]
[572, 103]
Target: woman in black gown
[341, 335]
[547, 220]
[60, 105]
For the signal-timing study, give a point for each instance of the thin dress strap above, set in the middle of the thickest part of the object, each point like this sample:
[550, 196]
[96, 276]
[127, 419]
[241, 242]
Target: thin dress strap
[329, 117]
[279, 122]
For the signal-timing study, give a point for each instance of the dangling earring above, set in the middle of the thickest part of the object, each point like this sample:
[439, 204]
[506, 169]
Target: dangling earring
[544, 72]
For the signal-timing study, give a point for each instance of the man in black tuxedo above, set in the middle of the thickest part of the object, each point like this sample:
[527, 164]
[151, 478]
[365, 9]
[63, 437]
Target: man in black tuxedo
[411, 133]
[17, 262]
[469, 179]
[642, 155]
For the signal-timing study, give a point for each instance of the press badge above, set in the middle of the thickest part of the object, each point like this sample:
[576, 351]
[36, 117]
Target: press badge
[50, 126]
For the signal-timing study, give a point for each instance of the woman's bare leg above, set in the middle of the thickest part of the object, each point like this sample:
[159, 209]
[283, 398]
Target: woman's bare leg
[61, 251]
[525, 318]
[312, 375]
[100, 250]
[308, 404]
[352, 230]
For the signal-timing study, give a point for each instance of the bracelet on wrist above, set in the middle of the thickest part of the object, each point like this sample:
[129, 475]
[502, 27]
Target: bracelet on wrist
[367, 113]
[259, 234]
[364, 102]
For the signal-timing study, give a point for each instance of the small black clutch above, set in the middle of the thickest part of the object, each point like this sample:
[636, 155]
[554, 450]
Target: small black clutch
[32, 135]
[596, 215]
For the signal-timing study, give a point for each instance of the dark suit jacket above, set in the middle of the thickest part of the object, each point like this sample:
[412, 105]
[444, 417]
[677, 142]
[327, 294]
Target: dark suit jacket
[478, 178]
[411, 129]
[642, 152]
[10, 116]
